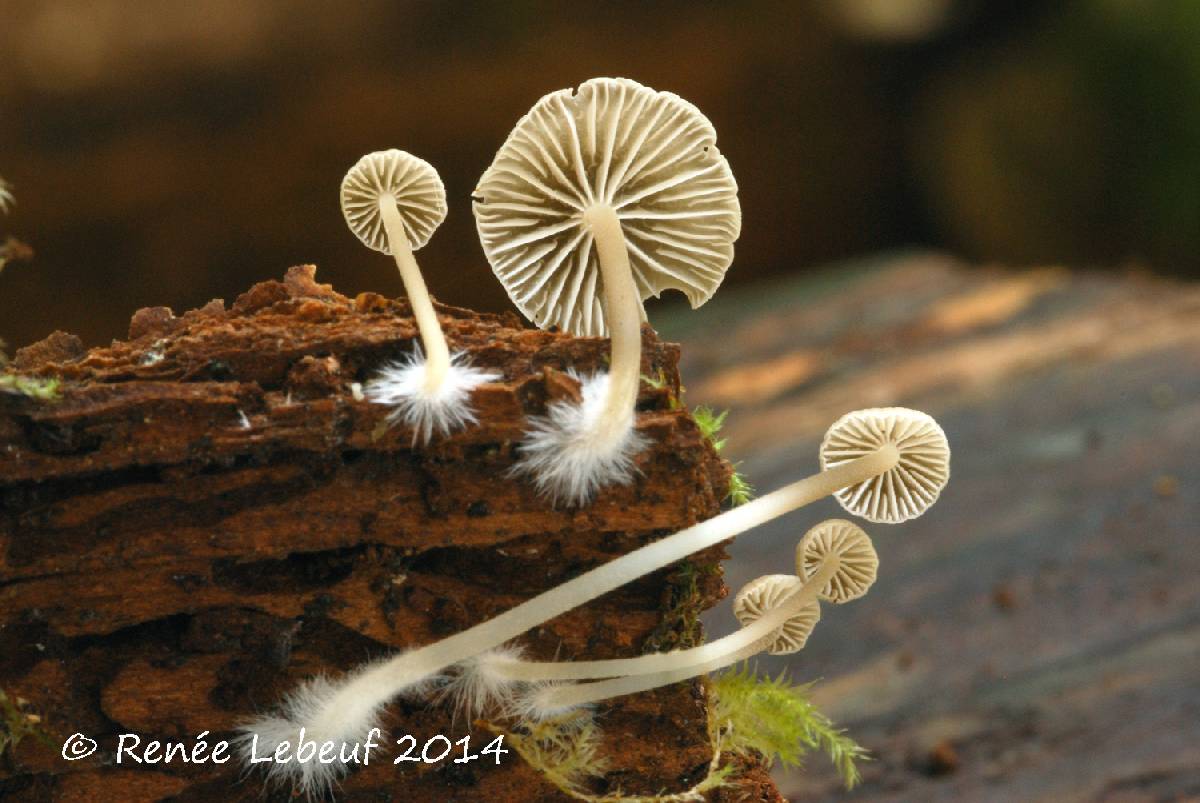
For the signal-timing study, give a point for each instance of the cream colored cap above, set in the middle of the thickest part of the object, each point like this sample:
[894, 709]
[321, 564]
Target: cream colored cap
[846, 543]
[909, 488]
[760, 596]
[414, 184]
[651, 156]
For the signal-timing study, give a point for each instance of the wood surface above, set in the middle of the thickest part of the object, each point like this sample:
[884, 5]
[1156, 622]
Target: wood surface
[209, 515]
[1036, 635]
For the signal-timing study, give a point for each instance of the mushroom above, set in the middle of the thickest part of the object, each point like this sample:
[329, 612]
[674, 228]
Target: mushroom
[599, 199]
[393, 202]
[759, 597]
[776, 612]
[854, 552]
[367, 689]
[904, 491]
[493, 680]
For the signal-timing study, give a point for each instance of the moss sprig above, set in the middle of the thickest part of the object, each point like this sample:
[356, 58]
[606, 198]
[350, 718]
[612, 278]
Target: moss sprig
[774, 717]
[710, 423]
[17, 723]
[30, 387]
[565, 751]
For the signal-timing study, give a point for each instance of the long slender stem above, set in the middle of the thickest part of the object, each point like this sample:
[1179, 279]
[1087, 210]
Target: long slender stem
[623, 312]
[741, 643]
[393, 676]
[437, 354]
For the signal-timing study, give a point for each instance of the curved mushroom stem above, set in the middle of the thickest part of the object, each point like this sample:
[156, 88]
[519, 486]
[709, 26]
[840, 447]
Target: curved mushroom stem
[736, 646]
[437, 354]
[381, 682]
[623, 312]
[731, 649]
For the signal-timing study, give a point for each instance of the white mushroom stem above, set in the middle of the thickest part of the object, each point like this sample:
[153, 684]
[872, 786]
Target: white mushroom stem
[623, 312]
[381, 682]
[437, 354]
[737, 646]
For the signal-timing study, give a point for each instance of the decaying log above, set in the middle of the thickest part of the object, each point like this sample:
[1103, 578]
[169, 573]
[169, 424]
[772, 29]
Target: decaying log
[212, 513]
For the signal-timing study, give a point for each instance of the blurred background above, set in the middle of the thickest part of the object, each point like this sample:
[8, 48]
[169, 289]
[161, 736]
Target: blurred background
[166, 154]
[986, 210]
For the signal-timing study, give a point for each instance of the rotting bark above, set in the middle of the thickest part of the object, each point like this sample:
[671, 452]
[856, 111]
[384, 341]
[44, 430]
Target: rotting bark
[209, 515]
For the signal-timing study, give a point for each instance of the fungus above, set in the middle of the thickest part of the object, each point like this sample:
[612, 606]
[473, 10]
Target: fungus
[855, 554]
[6, 197]
[906, 490]
[490, 679]
[776, 615]
[366, 689]
[393, 202]
[759, 597]
[599, 199]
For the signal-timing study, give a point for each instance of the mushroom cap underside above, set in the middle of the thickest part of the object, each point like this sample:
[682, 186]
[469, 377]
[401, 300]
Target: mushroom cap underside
[845, 542]
[760, 596]
[909, 488]
[413, 183]
[651, 156]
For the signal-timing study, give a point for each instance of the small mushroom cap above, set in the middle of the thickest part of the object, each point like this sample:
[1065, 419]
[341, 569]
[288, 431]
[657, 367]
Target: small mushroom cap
[414, 184]
[758, 597]
[909, 488]
[651, 156]
[845, 542]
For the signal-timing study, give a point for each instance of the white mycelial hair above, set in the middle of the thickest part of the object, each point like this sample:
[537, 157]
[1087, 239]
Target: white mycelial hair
[565, 453]
[6, 196]
[477, 687]
[534, 704]
[342, 711]
[401, 386]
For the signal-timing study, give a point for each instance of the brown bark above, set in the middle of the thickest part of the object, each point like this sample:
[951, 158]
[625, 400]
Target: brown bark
[208, 516]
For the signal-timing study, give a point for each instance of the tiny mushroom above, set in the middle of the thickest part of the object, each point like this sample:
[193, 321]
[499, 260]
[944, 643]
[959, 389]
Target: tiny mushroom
[393, 202]
[854, 551]
[350, 705]
[907, 489]
[759, 597]
[777, 614]
[600, 198]
[493, 680]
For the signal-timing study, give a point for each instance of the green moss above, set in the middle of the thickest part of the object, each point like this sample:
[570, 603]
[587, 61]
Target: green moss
[566, 751]
[659, 382]
[773, 717]
[16, 724]
[710, 424]
[740, 490]
[679, 627]
[40, 389]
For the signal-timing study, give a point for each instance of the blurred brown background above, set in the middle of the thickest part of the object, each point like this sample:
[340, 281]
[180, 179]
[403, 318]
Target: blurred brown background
[168, 153]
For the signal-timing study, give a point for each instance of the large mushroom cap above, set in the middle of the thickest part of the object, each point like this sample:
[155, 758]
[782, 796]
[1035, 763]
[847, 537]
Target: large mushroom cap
[846, 543]
[651, 156]
[759, 597]
[414, 184]
[909, 488]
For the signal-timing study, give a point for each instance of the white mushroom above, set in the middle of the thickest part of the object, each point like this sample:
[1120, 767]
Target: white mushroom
[341, 709]
[847, 543]
[776, 614]
[907, 489]
[494, 679]
[600, 198]
[393, 202]
[763, 595]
